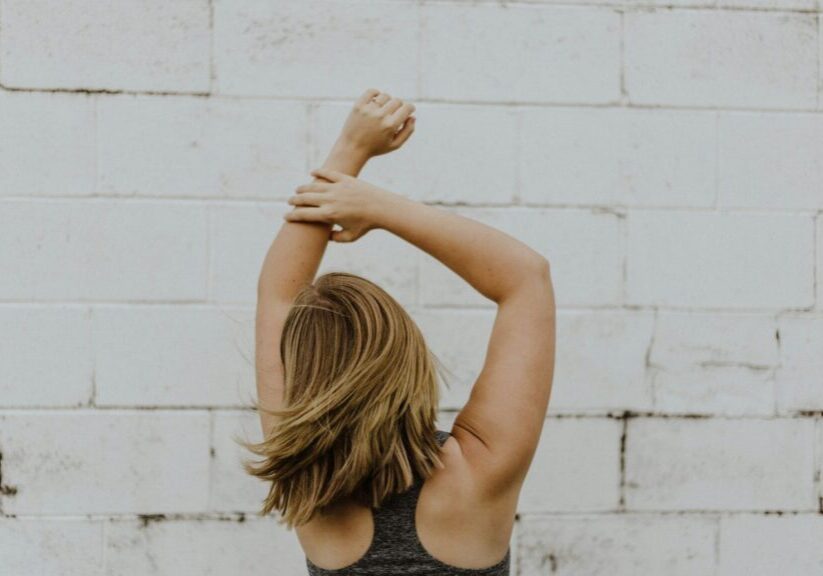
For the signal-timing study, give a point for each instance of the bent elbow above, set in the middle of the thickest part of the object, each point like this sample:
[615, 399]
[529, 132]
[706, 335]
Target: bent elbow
[543, 277]
[540, 267]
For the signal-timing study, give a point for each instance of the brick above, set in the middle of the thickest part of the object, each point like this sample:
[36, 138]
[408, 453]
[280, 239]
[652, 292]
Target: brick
[194, 147]
[617, 156]
[770, 161]
[232, 489]
[573, 53]
[717, 260]
[779, 5]
[584, 248]
[65, 547]
[76, 44]
[721, 58]
[720, 464]
[714, 390]
[69, 250]
[684, 339]
[174, 356]
[45, 356]
[755, 4]
[459, 338]
[760, 545]
[719, 364]
[576, 467]
[800, 374]
[106, 463]
[39, 130]
[601, 361]
[479, 170]
[195, 547]
[619, 545]
[315, 49]
[241, 235]
[769, 4]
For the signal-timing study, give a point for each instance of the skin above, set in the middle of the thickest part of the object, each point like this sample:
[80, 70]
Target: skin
[294, 256]
[466, 509]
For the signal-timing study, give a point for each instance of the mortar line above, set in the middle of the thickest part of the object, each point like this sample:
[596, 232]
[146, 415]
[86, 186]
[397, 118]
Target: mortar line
[251, 515]
[444, 308]
[212, 68]
[611, 414]
[421, 8]
[617, 210]
[624, 95]
[662, 106]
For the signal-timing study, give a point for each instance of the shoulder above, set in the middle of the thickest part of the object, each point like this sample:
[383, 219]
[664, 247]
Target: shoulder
[456, 512]
[460, 481]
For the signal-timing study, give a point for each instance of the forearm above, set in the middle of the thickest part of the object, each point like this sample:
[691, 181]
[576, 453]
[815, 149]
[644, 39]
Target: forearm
[493, 262]
[295, 254]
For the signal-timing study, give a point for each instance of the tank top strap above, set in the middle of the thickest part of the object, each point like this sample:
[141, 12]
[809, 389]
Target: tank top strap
[442, 436]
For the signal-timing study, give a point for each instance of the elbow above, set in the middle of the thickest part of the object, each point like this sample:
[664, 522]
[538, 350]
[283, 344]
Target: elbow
[540, 267]
[545, 267]
[542, 280]
[531, 278]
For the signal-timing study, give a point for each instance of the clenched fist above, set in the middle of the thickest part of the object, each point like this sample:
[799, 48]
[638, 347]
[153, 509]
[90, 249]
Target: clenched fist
[378, 123]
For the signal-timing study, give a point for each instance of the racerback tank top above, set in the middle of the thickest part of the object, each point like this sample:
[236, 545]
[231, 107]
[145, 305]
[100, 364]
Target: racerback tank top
[395, 548]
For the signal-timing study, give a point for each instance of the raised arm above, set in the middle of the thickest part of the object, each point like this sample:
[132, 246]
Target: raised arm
[291, 262]
[295, 254]
[499, 428]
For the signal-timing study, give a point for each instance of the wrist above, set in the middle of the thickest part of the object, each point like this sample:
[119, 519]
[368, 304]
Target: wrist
[346, 159]
[383, 207]
[348, 147]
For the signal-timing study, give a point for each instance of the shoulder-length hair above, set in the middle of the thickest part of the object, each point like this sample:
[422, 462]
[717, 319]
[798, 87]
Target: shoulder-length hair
[361, 400]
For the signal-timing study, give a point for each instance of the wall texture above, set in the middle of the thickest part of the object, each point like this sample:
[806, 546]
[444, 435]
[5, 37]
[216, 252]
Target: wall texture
[667, 157]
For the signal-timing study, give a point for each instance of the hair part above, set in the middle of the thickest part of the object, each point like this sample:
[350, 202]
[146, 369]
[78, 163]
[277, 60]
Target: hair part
[361, 400]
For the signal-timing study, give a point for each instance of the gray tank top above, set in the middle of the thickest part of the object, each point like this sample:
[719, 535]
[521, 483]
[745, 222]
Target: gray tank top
[395, 548]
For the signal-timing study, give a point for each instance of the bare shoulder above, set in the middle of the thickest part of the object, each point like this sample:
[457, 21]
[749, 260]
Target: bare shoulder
[458, 521]
[457, 488]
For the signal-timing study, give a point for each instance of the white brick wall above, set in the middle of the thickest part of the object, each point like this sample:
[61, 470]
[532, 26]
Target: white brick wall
[619, 544]
[150, 45]
[721, 58]
[665, 155]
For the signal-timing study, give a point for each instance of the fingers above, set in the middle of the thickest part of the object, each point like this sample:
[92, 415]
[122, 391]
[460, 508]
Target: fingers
[308, 199]
[404, 133]
[328, 174]
[401, 113]
[366, 97]
[391, 105]
[307, 214]
[382, 98]
[317, 186]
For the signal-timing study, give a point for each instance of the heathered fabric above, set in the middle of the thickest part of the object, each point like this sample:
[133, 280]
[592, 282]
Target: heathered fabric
[395, 548]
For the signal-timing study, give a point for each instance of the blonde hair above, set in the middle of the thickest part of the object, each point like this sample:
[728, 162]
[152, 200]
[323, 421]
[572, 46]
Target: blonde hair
[361, 400]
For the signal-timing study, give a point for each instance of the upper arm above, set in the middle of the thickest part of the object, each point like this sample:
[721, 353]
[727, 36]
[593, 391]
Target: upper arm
[268, 327]
[500, 426]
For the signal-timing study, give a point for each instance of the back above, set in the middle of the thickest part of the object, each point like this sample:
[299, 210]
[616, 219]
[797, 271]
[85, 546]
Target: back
[396, 548]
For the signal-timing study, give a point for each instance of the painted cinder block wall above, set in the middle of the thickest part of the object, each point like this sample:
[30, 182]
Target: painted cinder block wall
[666, 157]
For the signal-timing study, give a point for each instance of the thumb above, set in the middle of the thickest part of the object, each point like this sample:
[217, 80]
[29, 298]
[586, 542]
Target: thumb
[328, 174]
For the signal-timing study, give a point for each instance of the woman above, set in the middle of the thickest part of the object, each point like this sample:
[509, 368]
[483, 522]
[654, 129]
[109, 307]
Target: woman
[347, 388]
